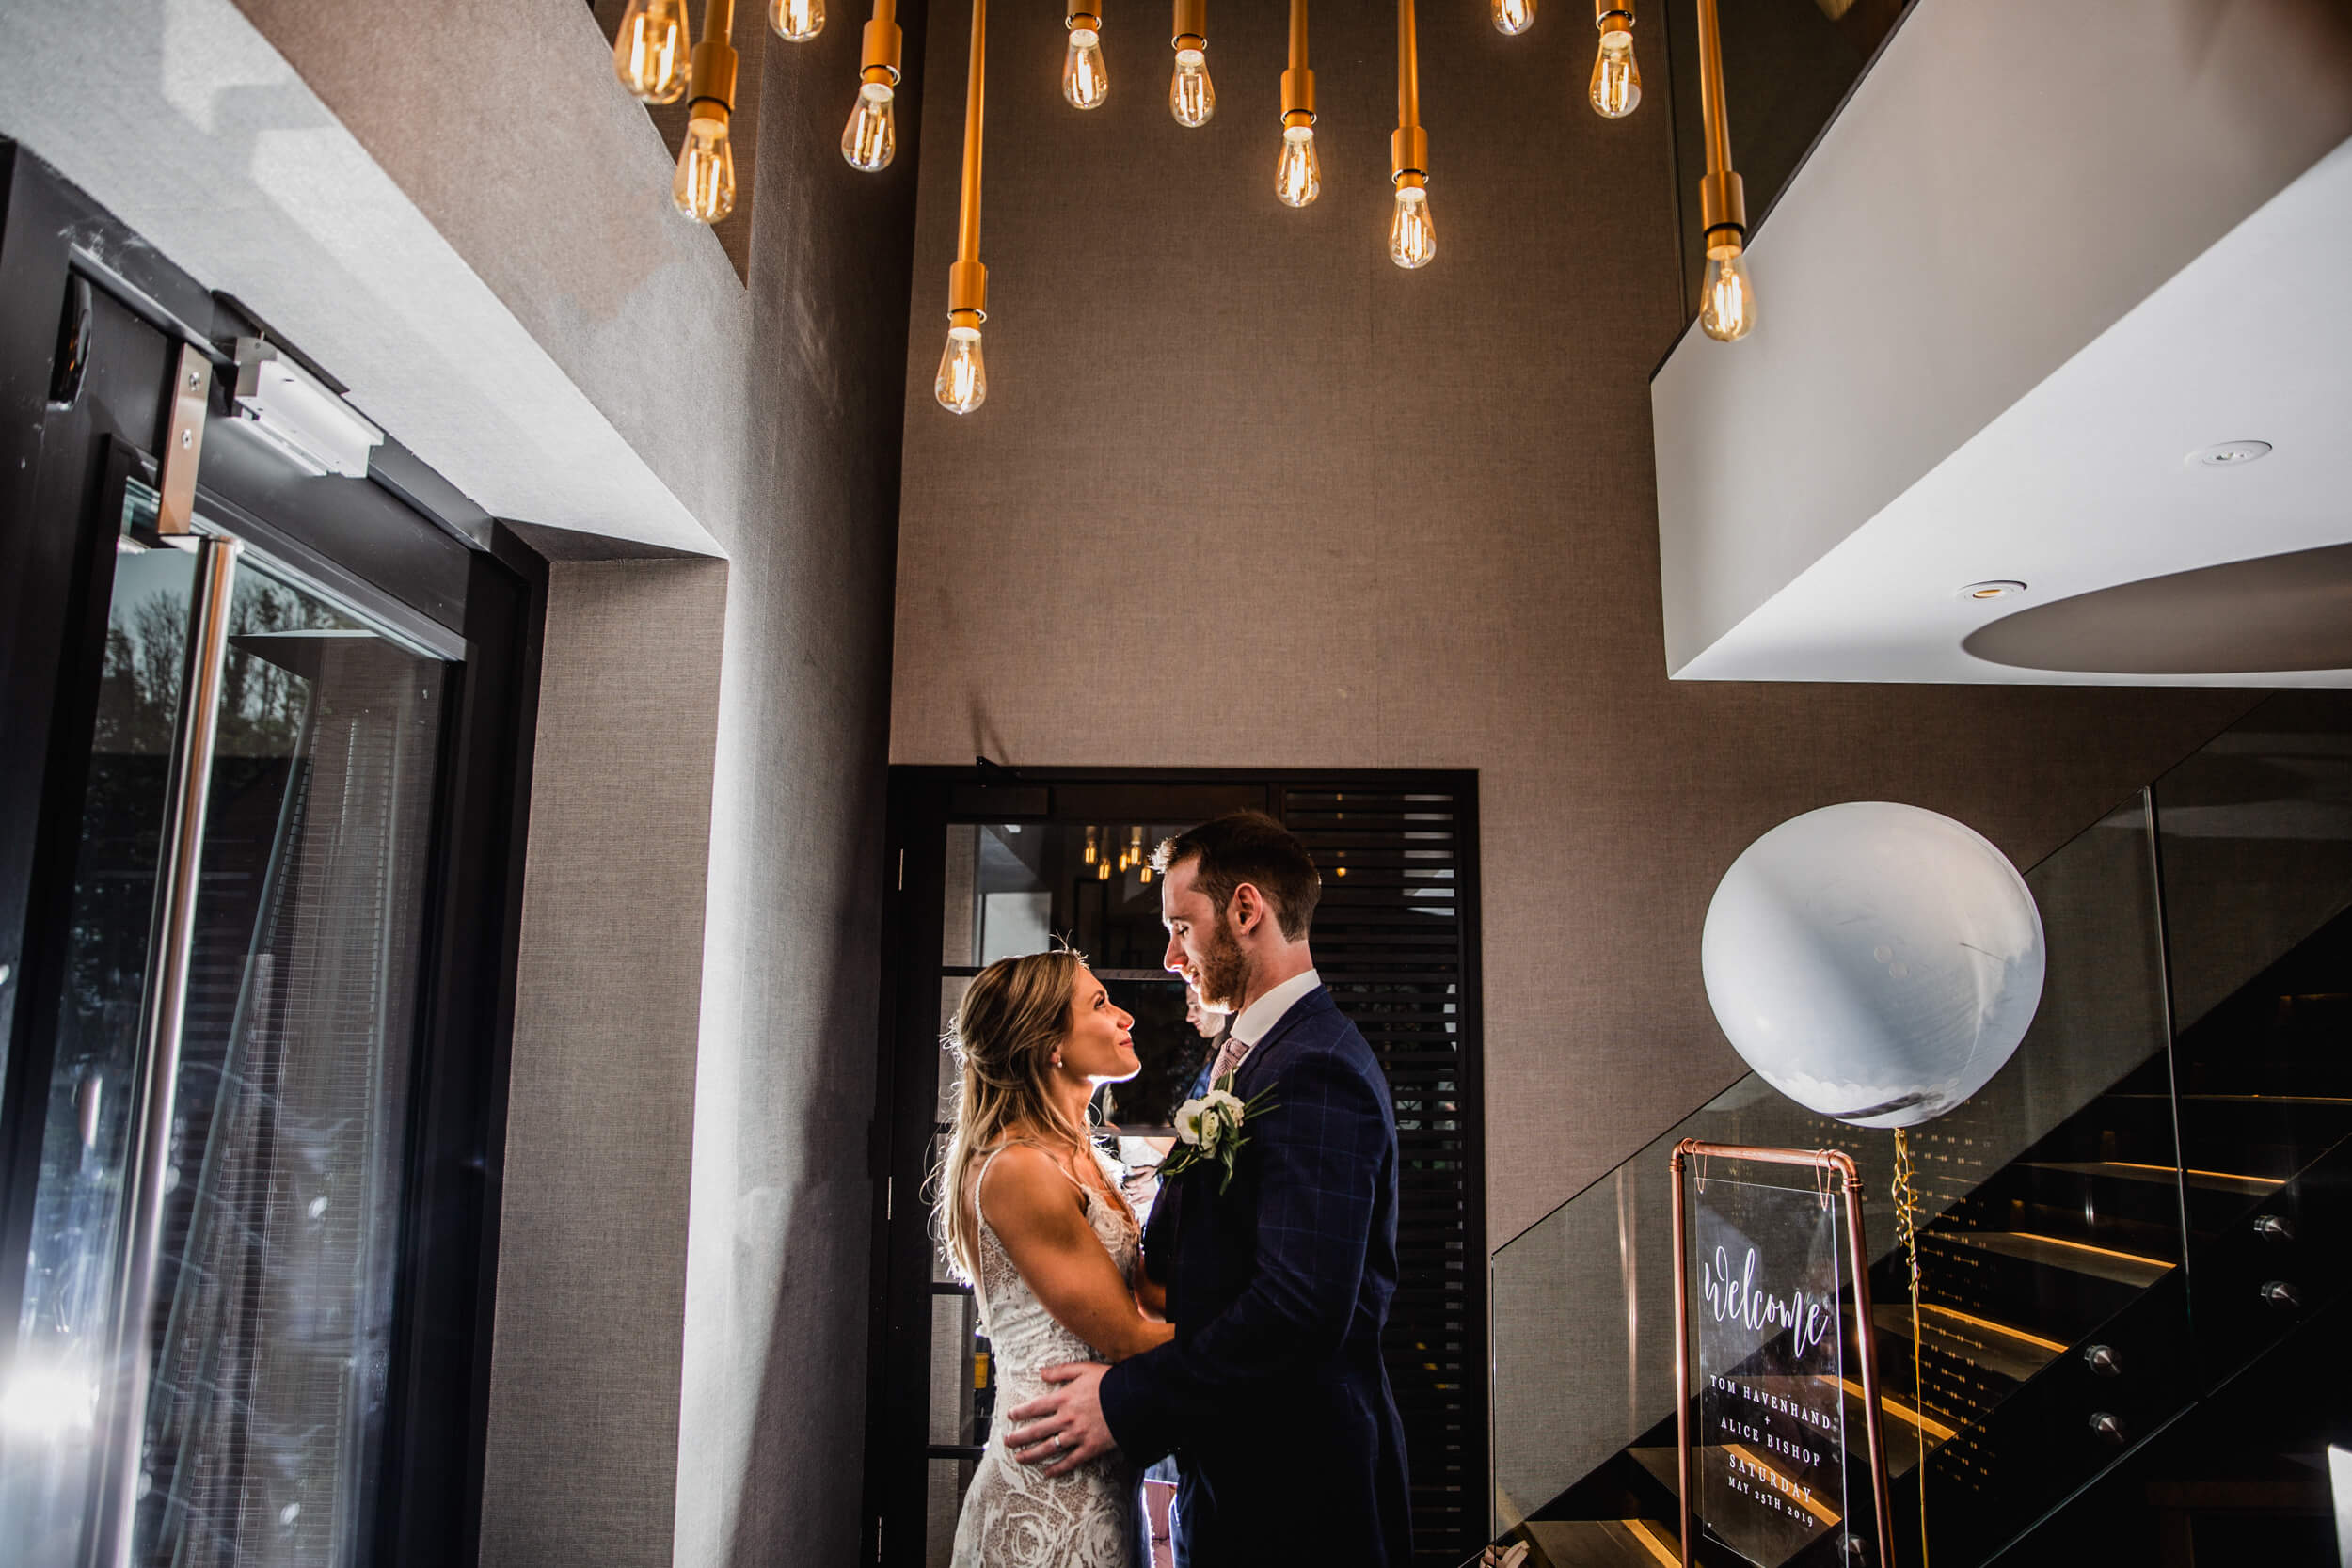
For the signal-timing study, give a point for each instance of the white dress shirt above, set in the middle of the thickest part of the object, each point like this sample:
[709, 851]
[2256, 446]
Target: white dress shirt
[1260, 1017]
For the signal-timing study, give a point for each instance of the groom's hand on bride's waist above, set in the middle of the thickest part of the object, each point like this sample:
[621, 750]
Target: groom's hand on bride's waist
[1064, 1429]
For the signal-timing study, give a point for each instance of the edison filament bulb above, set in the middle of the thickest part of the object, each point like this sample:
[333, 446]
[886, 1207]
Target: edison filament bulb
[650, 53]
[1083, 80]
[797, 21]
[870, 140]
[704, 187]
[1617, 80]
[1299, 177]
[962, 384]
[1728, 312]
[1412, 241]
[1191, 96]
[1513, 16]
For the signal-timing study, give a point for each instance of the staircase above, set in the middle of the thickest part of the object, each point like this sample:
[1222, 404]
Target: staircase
[2122, 1334]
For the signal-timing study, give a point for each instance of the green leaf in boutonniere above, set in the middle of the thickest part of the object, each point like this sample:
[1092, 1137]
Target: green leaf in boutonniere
[1212, 1128]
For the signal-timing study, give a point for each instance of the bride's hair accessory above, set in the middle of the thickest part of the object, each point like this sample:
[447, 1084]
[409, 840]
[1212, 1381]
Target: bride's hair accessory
[1209, 1129]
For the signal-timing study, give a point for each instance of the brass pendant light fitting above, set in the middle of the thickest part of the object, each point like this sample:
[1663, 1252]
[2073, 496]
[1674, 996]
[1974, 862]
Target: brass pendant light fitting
[1722, 202]
[710, 89]
[870, 140]
[882, 46]
[1192, 26]
[1191, 94]
[962, 385]
[1412, 239]
[1084, 81]
[1616, 84]
[1408, 145]
[1299, 82]
[1727, 300]
[1297, 172]
[703, 187]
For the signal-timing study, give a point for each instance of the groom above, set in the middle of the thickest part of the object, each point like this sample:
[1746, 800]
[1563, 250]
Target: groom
[1273, 1394]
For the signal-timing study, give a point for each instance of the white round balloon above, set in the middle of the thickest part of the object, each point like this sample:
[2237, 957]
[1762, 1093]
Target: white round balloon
[1874, 962]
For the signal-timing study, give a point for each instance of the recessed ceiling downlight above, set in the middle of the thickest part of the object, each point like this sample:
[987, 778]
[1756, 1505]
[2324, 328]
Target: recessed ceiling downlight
[2229, 455]
[1998, 588]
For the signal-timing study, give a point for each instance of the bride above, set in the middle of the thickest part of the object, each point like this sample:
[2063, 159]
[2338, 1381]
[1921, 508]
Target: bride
[1035, 1222]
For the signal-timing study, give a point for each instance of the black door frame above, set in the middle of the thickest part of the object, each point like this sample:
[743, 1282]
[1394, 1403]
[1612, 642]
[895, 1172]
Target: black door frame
[923, 801]
[402, 544]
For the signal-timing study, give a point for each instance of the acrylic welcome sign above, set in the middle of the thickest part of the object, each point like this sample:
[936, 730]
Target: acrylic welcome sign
[1771, 1287]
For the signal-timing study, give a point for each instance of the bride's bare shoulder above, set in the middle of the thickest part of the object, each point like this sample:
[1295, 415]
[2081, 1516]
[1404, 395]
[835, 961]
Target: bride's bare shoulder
[1024, 1187]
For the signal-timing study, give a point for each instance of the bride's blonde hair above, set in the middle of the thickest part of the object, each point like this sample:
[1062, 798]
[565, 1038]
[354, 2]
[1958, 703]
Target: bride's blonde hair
[1014, 1017]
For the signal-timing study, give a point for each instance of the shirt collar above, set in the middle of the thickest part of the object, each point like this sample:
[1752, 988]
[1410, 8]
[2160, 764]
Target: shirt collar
[1265, 1012]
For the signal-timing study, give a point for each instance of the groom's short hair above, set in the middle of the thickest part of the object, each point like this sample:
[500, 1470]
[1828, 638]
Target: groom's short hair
[1249, 847]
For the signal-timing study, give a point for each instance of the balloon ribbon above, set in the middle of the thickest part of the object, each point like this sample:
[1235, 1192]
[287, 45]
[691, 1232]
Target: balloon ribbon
[1907, 1232]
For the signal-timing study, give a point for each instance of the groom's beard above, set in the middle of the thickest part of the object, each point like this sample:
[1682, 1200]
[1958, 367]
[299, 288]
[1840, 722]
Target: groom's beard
[1224, 975]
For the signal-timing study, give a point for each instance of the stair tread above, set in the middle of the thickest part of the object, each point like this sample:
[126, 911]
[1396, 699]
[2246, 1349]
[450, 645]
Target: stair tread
[1600, 1544]
[2123, 1268]
[2122, 1170]
[2015, 1353]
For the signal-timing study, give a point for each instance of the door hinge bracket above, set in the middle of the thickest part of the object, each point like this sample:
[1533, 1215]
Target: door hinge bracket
[184, 444]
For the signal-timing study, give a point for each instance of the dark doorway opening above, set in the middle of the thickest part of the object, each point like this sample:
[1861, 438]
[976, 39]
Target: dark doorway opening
[988, 862]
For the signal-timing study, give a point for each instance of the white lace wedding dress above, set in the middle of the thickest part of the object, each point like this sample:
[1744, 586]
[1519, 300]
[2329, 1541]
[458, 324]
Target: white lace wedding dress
[1014, 1516]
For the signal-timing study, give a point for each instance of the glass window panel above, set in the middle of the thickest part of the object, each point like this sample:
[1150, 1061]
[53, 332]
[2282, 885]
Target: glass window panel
[961, 1390]
[943, 1501]
[959, 936]
[55, 1379]
[942, 1271]
[275, 1288]
[274, 1282]
[951, 990]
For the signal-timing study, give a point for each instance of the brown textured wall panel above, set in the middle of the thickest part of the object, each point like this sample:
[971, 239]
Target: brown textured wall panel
[1245, 493]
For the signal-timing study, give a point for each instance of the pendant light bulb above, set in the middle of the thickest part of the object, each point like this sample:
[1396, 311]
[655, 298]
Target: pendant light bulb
[1083, 82]
[704, 189]
[962, 384]
[1730, 312]
[650, 52]
[1412, 241]
[1617, 79]
[796, 20]
[870, 140]
[1191, 96]
[1299, 177]
[1513, 17]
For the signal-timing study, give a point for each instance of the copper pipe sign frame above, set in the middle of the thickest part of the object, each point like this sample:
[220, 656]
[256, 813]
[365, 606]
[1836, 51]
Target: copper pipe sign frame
[1833, 1162]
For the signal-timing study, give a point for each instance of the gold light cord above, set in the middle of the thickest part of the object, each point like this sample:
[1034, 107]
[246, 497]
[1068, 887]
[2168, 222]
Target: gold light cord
[968, 208]
[1907, 1234]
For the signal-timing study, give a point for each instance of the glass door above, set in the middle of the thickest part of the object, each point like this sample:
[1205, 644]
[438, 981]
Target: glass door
[197, 1373]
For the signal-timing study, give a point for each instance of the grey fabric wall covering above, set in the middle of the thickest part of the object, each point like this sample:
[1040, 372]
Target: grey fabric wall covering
[589, 1343]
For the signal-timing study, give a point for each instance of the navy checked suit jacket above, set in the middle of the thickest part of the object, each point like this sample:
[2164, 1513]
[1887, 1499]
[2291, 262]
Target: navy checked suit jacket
[1273, 1393]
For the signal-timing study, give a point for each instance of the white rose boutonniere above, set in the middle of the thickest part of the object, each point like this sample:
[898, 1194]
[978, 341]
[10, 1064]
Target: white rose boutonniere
[1211, 1128]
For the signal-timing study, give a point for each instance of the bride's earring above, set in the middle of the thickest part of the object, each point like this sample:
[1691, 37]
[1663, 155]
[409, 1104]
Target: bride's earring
[1058, 1058]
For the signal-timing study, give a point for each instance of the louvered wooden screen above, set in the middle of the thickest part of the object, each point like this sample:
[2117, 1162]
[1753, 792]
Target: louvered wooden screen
[1394, 940]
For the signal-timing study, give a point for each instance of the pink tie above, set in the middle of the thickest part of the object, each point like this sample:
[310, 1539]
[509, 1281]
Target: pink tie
[1229, 1056]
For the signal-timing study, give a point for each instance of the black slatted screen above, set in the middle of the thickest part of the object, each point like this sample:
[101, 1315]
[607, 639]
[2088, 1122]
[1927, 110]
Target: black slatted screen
[1392, 939]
